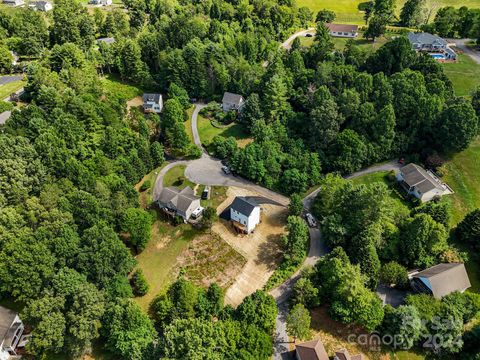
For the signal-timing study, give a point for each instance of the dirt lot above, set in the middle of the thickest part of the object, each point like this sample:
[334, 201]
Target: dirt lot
[135, 102]
[260, 249]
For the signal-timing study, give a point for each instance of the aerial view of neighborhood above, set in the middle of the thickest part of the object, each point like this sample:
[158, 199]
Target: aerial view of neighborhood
[240, 179]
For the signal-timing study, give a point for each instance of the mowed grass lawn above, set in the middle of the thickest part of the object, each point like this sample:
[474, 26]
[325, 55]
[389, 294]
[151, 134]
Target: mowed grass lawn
[176, 177]
[348, 11]
[340, 43]
[464, 74]
[207, 132]
[7, 89]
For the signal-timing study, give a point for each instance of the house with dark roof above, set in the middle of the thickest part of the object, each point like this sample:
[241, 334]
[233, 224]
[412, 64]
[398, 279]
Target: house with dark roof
[343, 30]
[41, 5]
[14, 2]
[430, 43]
[232, 101]
[178, 202]
[343, 354]
[244, 214]
[152, 103]
[311, 350]
[441, 280]
[11, 331]
[421, 183]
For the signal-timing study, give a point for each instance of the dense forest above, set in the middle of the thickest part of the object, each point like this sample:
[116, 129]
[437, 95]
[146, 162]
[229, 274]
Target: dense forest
[70, 220]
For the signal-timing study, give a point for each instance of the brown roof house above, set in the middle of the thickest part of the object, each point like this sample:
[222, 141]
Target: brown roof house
[181, 202]
[343, 354]
[421, 183]
[441, 280]
[311, 350]
[343, 30]
[11, 330]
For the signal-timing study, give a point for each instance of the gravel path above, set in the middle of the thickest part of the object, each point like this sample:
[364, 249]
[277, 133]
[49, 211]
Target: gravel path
[287, 44]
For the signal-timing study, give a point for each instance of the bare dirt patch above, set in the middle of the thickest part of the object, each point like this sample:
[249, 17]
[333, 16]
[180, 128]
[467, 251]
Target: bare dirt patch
[208, 259]
[261, 249]
[137, 101]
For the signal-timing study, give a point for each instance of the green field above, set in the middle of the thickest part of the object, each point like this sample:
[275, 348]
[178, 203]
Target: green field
[7, 89]
[464, 74]
[348, 10]
[207, 131]
[341, 42]
[176, 177]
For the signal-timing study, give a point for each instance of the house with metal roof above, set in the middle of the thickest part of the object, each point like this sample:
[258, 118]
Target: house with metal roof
[421, 183]
[232, 101]
[11, 331]
[441, 280]
[152, 103]
[178, 202]
[244, 214]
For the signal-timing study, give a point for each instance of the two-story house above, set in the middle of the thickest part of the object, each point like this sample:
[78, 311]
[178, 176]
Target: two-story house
[244, 214]
[152, 103]
[11, 330]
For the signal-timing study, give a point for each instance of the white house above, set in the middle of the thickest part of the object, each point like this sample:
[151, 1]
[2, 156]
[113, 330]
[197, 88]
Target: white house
[14, 2]
[343, 30]
[11, 330]
[41, 5]
[421, 183]
[232, 101]
[152, 103]
[244, 214]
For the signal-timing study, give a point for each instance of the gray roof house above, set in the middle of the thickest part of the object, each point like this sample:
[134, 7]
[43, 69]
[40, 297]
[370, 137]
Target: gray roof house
[311, 350]
[244, 214]
[421, 183]
[11, 330]
[41, 5]
[4, 116]
[441, 280]
[106, 40]
[232, 101]
[152, 103]
[14, 2]
[181, 202]
[431, 43]
[343, 354]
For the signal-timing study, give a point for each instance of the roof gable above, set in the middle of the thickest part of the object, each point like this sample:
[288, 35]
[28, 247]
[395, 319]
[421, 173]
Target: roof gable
[231, 98]
[7, 317]
[311, 350]
[151, 97]
[443, 279]
[244, 205]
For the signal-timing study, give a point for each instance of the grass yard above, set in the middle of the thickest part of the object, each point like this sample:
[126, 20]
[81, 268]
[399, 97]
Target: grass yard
[218, 194]
[348, 11]
[145, 197]
[114, 86]
[159, 257]
[207, 132]
[465, 75]
[7, 89]
[340, 43]
[176, 177]
[188, 123]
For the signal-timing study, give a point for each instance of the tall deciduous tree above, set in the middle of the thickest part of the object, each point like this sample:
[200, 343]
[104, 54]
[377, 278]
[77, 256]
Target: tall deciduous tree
[298, 322]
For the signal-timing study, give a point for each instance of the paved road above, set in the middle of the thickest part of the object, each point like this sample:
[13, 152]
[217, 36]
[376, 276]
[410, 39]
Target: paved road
[462, 45]
[287, 44]
[159, 182]
[10, 78]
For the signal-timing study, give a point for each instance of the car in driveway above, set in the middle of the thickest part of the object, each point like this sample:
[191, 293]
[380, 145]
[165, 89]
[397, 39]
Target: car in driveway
[310, 220]
[308, 35]
[226, 170]
[206, 193]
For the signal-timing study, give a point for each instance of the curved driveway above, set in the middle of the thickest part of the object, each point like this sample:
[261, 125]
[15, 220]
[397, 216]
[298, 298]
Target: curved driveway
[287, 44]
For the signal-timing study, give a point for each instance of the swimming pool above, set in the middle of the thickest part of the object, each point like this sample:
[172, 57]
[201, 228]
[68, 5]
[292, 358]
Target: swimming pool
[438, 56]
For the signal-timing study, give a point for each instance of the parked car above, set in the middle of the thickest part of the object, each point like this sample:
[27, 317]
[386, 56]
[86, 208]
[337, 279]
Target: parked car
[206, 193]
[193, 100]
[226, 170]
[308, 35]
[310, 220]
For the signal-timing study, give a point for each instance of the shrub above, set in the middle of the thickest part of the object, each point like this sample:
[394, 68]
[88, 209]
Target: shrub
[395, 274]
[139, 283]
[146, 185]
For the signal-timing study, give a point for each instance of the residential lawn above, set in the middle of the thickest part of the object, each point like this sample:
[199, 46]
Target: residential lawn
[462, 174]
[348, 11]
[145, 197]
[188, 123]
[464, 74]
[207, 132]
[359, 41]
[7, 89]
[114, 86]
[159, 257]
[218, 194]
[176, 177]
